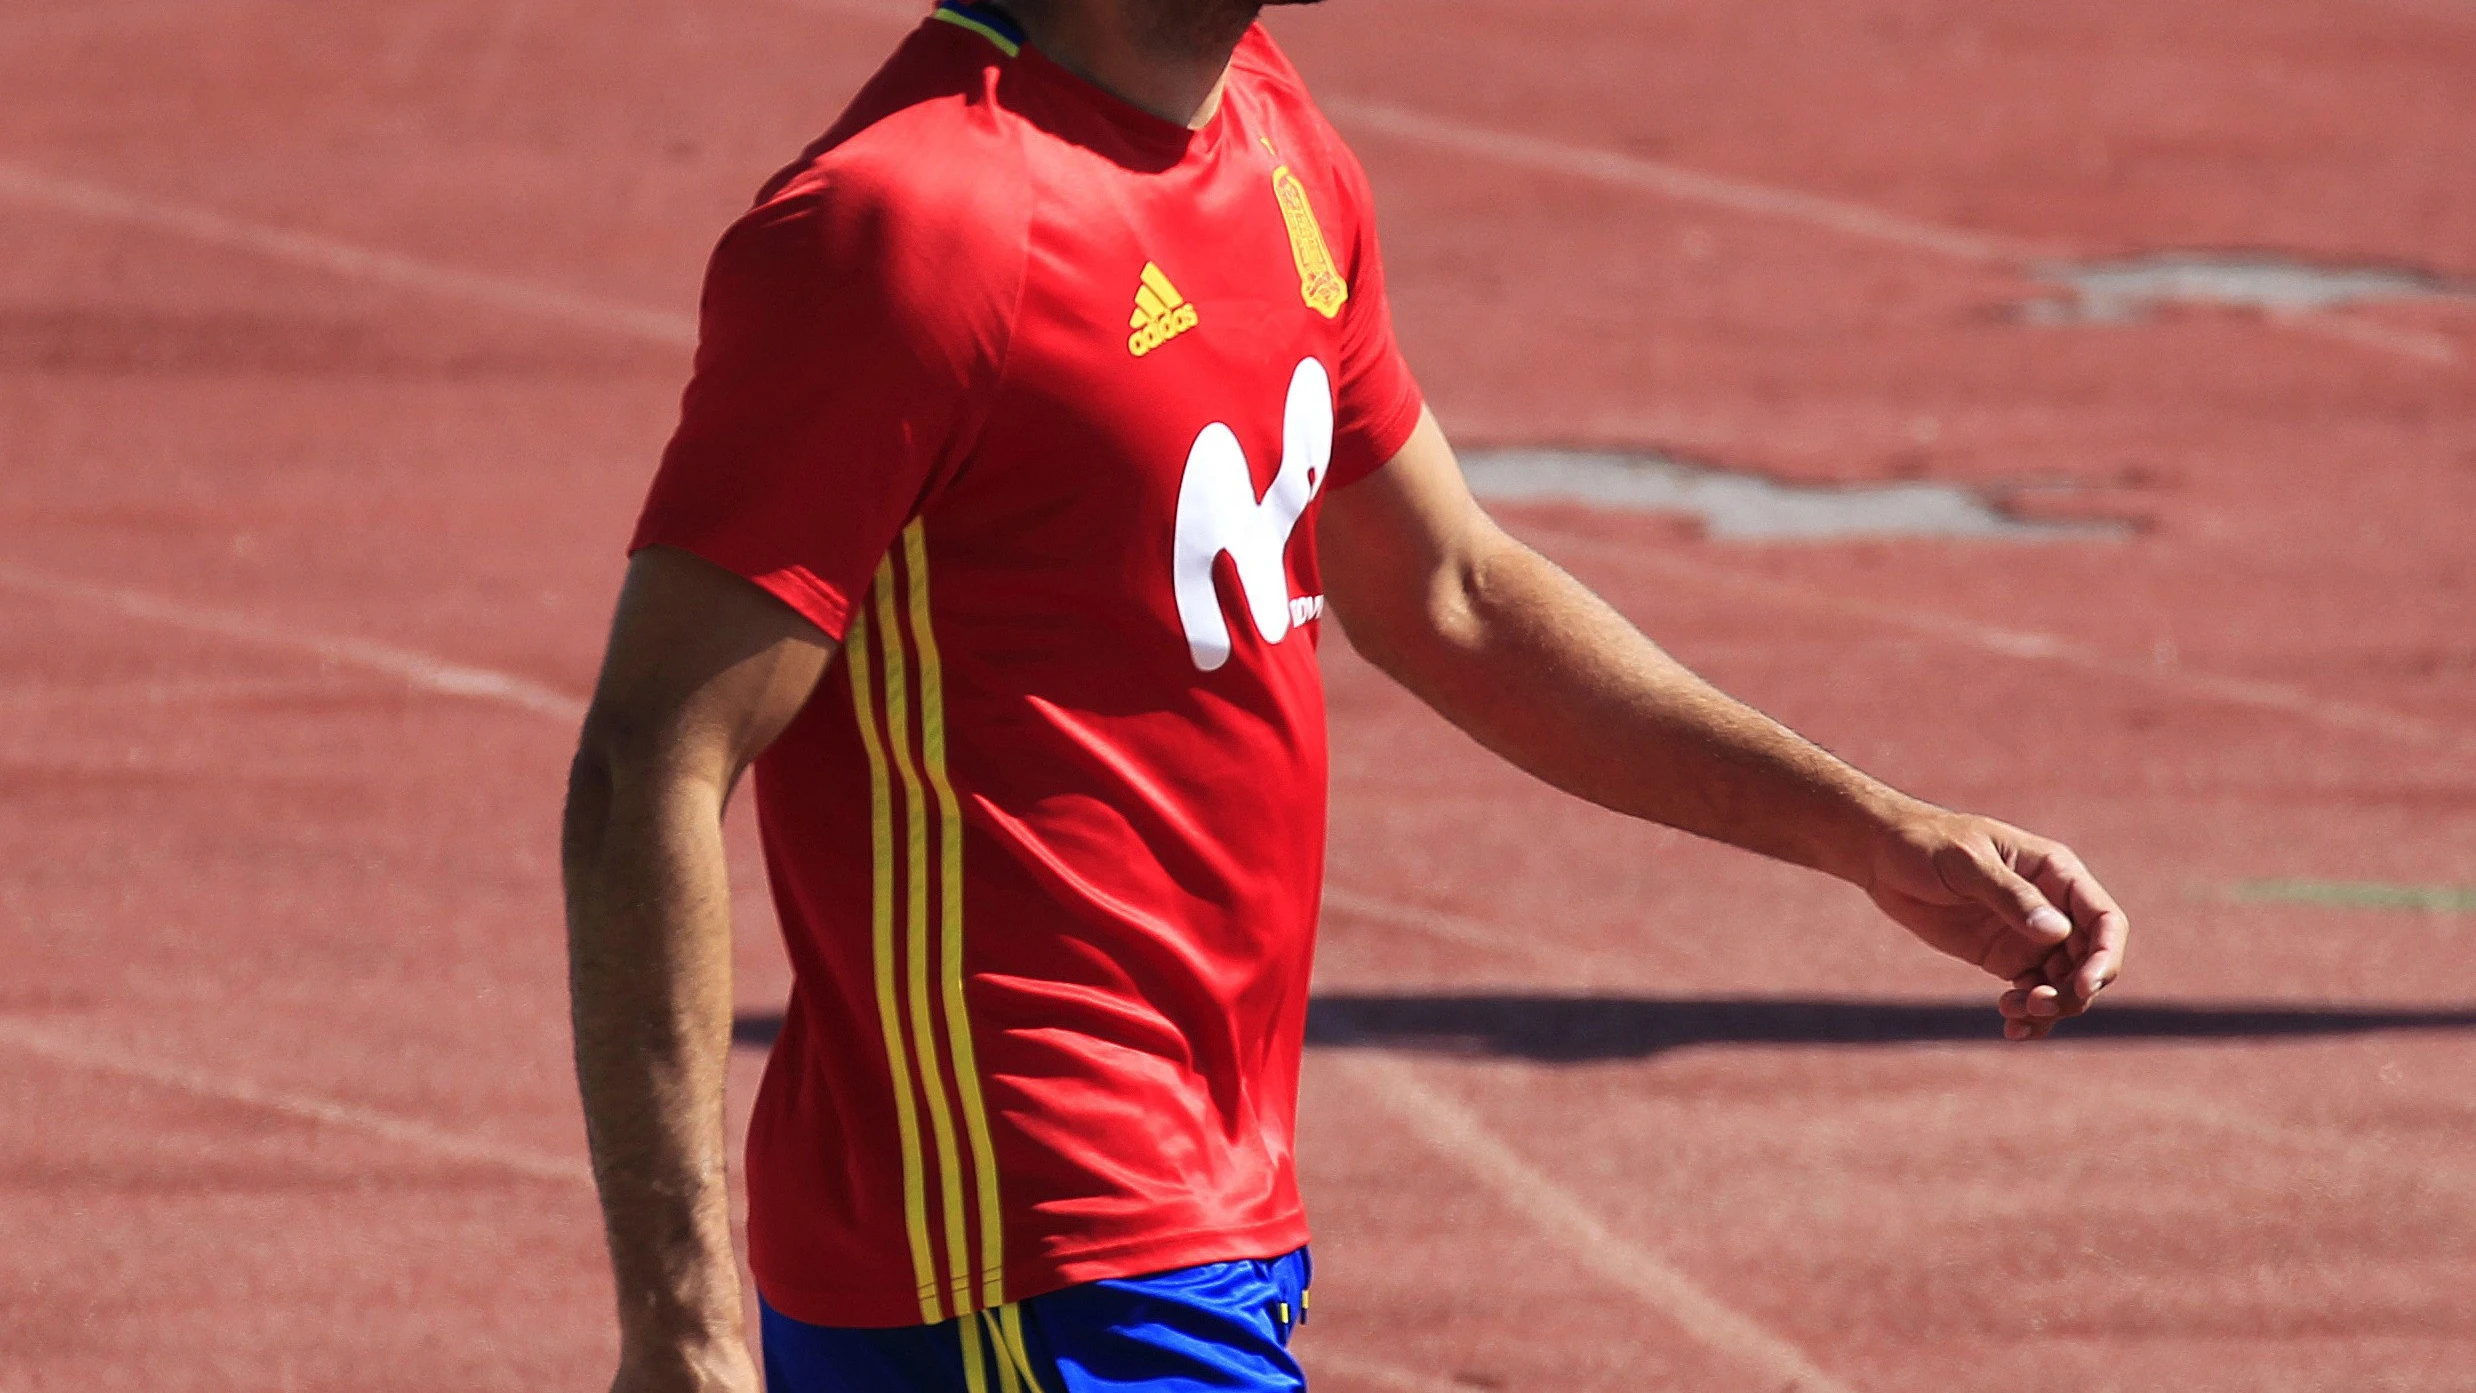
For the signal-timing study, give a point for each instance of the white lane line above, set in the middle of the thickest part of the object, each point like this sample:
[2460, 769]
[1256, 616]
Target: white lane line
[2030, 646]
[1845, 217]
[1556, 960]
[30, 696]
[423, 670]
[32, 188]
[1456, 1132]
[67, 1049]
[1688, 185]
[2396, 339]
[433, 673]
[1449, 1127]
[54, 24]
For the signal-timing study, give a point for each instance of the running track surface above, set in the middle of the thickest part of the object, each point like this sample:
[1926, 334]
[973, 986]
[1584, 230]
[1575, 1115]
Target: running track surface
[336, 341]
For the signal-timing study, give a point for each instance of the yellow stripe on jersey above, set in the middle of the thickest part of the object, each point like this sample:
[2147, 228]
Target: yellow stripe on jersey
[912, 1013]
[950, 905]
[1005, 45]
[856, 656]
[917, 945]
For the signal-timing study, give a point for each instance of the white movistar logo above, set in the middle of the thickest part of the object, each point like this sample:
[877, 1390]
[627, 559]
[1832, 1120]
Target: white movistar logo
[1219, 512]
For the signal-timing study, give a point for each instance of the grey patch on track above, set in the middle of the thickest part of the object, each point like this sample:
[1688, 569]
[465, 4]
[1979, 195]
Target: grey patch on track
[2127, 290]
[1749, 507]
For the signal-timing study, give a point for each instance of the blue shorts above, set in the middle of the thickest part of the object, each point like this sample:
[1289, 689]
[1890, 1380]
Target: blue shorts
[1221, 1326]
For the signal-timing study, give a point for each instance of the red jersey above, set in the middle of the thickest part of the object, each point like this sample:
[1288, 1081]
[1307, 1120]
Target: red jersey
[1027, 396]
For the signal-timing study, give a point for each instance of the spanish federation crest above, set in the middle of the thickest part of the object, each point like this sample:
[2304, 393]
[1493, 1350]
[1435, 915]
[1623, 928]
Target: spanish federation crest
[1319, 281]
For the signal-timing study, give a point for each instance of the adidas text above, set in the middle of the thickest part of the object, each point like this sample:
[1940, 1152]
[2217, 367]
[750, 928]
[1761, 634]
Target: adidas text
[1154, 333]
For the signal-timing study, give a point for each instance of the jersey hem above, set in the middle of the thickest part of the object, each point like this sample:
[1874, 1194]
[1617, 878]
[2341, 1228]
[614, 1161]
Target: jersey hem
[877, 1307]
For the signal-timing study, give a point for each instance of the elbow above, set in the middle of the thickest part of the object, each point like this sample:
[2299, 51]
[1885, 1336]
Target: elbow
[617, 751]
[1453, 630]
[1413, 636]
[591, 782]
[631, 758]
[1461, 605]
[1445, 618]
[627, 743]
[1378, 635]
[612, 737]
[589, 772]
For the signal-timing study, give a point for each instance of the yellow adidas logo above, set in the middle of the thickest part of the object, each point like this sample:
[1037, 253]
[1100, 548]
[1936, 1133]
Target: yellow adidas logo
[1161, 313]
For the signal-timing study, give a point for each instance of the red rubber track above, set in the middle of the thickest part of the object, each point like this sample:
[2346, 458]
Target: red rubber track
[335, 345]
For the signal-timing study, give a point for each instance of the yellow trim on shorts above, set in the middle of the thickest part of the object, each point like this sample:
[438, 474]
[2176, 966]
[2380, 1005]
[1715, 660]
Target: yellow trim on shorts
[1010, 1321]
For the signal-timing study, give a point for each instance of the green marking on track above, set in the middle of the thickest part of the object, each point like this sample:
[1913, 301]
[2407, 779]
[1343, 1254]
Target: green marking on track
[2354, 894]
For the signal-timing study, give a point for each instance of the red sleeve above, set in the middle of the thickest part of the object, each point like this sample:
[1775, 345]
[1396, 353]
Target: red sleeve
[1378, 401]
[845, 357]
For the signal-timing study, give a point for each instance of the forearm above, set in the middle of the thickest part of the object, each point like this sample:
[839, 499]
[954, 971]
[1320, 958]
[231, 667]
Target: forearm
[649, 941]
[1532, 665]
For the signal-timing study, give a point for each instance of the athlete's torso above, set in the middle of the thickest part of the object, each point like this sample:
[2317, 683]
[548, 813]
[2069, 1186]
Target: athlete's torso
[1048, 843]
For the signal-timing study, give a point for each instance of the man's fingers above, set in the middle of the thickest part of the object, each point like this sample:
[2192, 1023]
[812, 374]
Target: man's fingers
[2106, 952]
[2031, 1008]
[2040, 1002]
[2025, 1028]
[2059, 973]
[2102, 926]
[2031, 912]
[1981, 875]
[2022, 985]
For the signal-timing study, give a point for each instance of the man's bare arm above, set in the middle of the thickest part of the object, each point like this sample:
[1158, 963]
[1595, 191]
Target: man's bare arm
[1540, 670]
[703, 671]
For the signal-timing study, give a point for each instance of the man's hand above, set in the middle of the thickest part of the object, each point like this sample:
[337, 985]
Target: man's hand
[2023, 908]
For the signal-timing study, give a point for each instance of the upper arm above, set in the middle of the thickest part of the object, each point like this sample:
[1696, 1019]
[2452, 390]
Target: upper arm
[703, 671]
[1400, 548]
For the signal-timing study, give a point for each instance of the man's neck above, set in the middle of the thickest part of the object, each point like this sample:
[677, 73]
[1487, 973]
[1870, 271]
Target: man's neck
[1168, 57]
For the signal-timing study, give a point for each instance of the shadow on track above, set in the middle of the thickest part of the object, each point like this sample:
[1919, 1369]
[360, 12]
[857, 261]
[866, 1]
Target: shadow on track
[1577, 1028]
[1574, 1029]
